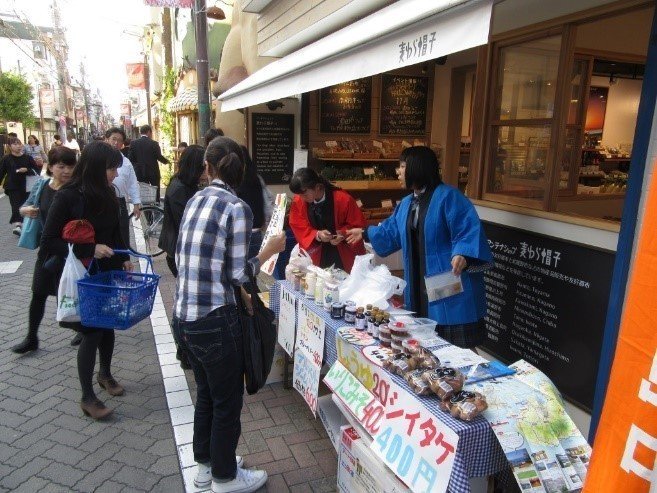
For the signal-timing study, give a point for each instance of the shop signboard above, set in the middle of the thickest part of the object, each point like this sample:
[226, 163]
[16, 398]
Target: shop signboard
[404, 102]
[346, 108]
[308, 354]
[547, 301]
[272, 145]
[287, 319]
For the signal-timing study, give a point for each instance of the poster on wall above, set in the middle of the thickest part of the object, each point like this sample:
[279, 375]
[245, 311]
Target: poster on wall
[404, 102]
[308, 354]
[272, 146]
[547, 301]
[346, 108]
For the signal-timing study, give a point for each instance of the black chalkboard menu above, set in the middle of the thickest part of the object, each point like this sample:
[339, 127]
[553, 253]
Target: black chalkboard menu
[346, 108]
[404, 101]
[547, 303]
[272, 145]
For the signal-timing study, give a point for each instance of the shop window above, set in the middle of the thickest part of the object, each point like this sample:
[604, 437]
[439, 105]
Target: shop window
[522, 112]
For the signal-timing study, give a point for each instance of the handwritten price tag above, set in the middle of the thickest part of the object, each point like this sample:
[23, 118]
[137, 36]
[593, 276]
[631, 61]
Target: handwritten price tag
[287, 320]
[308, 354]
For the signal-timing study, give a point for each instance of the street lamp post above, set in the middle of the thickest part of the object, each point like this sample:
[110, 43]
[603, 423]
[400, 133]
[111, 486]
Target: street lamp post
[202, 66]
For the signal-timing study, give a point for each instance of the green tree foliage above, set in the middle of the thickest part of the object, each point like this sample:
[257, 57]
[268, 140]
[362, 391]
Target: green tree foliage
[167, 122]
[16, 99]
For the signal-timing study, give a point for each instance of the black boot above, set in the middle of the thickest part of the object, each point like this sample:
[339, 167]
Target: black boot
[28, 344]
[77, 339]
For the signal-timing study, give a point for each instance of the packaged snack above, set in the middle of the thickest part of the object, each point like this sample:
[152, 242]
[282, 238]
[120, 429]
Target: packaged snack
[397, 348]
[444, 381]
[385, 341]
[420, 357]
[397, 363]
[417, 383]
[466, 405]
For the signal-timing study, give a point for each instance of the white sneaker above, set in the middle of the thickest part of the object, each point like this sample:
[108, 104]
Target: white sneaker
[204, 472]
[246, 481]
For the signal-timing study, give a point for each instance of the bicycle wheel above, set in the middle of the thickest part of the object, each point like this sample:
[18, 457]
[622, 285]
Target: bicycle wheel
[146, 230]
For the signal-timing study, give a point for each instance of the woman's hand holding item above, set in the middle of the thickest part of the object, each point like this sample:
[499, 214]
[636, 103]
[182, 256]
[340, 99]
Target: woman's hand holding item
[29, 211]
[354, 235]
[274, 245]
[337, 239]
[246, 299]
[458, 264]
[103, 251]
[128, 266]
[324, 236]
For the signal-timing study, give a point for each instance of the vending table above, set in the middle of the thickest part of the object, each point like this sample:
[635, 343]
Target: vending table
[478, 452]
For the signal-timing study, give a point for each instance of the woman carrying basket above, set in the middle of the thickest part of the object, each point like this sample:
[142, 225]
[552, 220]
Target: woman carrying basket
[89, 195]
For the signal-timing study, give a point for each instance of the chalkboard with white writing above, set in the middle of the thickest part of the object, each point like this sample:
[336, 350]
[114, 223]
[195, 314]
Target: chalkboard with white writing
[404, 100]
[547, 302]
[272, 144]
[346, 108]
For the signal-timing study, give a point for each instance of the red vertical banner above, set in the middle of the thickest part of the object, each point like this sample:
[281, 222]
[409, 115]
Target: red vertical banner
[625, 450]
[136, 73]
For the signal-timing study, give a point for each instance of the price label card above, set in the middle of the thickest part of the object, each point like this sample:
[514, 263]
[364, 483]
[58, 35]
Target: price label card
[331, 143]
[377, 143]
[386, 203]
[368, 171]
[287, 320]
[359, 203]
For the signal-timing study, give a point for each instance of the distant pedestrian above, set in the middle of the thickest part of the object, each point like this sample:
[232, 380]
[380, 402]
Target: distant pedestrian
[15, 167]
[45, 282]
[90, 194]
[212, 262]
[211, 134]
[34, 149]
[57, 142]
[144, 155]
[71, 142]
[255, 193]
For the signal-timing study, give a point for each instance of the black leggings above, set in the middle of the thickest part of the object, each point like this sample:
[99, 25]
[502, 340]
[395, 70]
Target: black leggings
[16, 199]
[103, 341]
[37, 309]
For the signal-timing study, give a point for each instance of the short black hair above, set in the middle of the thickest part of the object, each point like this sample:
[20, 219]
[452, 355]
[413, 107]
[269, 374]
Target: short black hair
[211, 134]
[61, 154]
[191, 165]
[306, 178]
[57, 137]
[115, 130]
[183, 144]
[422, 168]
[144, 129]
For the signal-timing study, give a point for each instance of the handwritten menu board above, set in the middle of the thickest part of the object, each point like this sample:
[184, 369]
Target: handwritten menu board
[404, 101]
[272, 144]
[346, 108]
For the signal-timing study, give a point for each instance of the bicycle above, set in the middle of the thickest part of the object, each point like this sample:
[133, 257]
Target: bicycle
[147, 229]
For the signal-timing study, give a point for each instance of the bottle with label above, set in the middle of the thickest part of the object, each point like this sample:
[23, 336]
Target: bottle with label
[376, 326]
[319, 291]
[311, 279]
[361, 323]
[370, 321]
[368, 311]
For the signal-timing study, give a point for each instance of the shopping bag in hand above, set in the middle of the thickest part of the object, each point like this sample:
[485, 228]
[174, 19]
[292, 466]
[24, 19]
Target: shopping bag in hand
[68, 301]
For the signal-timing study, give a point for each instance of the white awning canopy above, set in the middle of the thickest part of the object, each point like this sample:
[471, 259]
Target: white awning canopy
[404, 33]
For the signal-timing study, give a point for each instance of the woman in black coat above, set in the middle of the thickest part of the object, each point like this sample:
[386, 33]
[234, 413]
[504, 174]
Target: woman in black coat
[182, 187]
[16, 166]
[61, 162]
[90, 195]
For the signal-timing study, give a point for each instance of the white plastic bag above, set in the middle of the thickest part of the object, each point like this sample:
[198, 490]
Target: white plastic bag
[370, 284]
[68, 301]
[299, 258]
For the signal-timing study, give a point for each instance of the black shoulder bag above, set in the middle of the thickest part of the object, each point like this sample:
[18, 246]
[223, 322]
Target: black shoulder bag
[259, 336]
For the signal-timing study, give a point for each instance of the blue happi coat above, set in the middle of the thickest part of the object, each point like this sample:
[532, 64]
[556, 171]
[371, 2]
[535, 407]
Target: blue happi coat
[451, 227]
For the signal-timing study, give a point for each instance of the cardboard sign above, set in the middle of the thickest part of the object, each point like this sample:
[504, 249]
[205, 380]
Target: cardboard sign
[308, 354]
[275, 227]
[287, 320]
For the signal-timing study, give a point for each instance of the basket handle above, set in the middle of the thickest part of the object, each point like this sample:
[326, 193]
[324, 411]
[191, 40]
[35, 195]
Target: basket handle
[148, 258]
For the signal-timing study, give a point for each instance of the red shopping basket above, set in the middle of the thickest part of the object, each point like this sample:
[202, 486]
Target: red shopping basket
[117, 299]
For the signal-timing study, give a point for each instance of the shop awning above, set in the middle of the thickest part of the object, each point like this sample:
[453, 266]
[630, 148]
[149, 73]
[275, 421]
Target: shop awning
[404, 33]
[185, 100]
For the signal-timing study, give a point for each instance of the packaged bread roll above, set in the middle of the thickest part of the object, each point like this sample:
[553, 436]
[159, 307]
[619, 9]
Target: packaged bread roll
[417, 383]
[467, 405]
[444, 381]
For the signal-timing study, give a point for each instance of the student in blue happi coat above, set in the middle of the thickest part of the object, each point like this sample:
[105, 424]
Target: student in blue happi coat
[438, 231]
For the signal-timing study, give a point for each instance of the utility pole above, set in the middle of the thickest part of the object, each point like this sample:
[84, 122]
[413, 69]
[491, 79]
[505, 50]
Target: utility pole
[86, 101]
[202, 66]
[166, 38]
[60, 54]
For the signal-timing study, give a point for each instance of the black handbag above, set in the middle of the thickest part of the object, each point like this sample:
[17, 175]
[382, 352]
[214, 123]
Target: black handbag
[259, 337]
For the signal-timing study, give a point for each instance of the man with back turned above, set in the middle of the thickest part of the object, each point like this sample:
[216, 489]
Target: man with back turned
[144, 155]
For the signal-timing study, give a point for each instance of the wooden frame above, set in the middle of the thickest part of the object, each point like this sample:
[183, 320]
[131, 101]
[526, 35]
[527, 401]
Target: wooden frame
[455, 122]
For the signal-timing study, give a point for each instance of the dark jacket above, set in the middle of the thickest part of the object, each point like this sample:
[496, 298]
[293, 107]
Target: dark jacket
[8, 166]
[144, 155]
[65, 207]
[175, 200]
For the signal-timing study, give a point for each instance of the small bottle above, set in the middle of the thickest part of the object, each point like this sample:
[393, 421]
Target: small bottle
[361, 323]
[319, 291]
[376, 325]
[371, 320]
[311, 279]
[368, 311]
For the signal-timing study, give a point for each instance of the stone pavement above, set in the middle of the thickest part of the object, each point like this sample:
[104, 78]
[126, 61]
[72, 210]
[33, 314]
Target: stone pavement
[47, 445]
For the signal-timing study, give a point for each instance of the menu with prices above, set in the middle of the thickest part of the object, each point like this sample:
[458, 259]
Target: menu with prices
[272, 144]
[308, 353]
[547, 300]
[404, 101]
[346, 108]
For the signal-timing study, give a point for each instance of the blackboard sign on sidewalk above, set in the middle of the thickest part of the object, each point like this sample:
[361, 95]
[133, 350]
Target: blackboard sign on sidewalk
[272, 144]
[547, 302]
[346, 108]
[404, 100]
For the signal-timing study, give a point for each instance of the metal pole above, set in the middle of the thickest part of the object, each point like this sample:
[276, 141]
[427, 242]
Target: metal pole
[147, 80]
[43, 126]
[202, 67]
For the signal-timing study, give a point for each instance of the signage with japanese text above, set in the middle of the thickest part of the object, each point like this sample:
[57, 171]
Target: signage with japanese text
[346, 108]
[308, 354]
[287, 319]
[404, 102]
[547, 301]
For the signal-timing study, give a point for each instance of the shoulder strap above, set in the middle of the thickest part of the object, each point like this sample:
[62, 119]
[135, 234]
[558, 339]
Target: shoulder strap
[42, 185]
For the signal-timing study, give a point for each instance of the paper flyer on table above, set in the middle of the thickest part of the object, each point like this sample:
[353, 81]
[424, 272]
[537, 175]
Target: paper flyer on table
[275, 227]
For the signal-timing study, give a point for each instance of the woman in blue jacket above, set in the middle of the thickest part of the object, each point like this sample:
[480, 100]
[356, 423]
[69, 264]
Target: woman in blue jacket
[438, 231]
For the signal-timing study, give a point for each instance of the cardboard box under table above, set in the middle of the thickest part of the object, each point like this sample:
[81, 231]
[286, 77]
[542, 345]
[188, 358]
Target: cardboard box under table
[478, 453]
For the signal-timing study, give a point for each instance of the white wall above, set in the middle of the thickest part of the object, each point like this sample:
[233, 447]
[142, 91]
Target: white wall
[622, 108]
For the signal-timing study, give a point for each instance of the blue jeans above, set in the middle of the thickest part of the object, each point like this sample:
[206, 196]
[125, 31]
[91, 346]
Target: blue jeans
[216, 354]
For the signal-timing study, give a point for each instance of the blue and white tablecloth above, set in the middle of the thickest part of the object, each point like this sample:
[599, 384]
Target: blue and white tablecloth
[478, 452]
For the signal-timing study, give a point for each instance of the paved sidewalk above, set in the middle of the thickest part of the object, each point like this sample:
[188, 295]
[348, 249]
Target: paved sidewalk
[47, 445]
